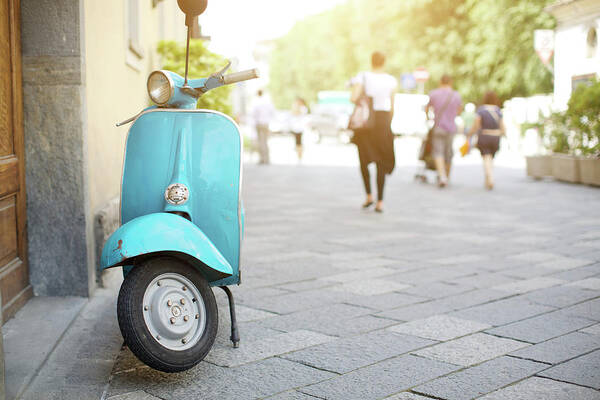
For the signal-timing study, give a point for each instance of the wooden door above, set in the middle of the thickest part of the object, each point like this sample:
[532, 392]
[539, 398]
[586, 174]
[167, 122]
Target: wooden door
[14, 275]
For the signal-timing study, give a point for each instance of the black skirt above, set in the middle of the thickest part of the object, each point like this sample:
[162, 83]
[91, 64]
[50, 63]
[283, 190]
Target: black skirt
[488, 144]
[377, 144]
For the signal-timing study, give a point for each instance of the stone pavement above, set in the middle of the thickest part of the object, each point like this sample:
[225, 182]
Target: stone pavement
[448, 295]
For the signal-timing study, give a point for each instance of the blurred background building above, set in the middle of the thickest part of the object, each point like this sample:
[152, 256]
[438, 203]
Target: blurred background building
[576, 56]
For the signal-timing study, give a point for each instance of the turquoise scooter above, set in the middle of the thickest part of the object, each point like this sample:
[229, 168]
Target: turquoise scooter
[181, 219]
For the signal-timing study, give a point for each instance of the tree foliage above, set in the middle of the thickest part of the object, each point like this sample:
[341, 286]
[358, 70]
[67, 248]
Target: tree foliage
[483, 44]
[202, 63]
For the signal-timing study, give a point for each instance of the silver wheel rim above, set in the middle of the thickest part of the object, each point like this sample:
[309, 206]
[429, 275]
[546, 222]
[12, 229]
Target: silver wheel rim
[174, 311]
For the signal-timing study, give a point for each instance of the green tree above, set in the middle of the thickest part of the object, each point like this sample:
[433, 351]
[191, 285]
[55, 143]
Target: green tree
[483, 44]
[202, 63]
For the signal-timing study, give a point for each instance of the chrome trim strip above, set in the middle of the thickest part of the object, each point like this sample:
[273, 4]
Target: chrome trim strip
[241, 166]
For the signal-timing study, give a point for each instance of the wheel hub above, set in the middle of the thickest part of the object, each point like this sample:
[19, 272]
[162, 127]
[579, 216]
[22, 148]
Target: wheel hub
[174, 311]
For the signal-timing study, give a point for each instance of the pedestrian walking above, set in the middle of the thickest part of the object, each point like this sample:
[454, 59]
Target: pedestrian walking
[298, 123]
[263, 112]
[446, 104]
[489, 127]
[375, 141]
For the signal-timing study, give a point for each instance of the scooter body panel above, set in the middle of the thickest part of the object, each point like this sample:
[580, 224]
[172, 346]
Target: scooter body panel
[200, 149]
[165, 234]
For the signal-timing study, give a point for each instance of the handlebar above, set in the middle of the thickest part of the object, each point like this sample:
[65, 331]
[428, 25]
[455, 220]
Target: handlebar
[240, 76]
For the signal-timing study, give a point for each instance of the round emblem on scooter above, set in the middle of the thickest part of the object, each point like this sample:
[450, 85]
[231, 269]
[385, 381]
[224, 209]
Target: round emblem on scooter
[177, 194]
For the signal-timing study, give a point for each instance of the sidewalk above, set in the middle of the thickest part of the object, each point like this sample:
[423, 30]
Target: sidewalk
[448, 295]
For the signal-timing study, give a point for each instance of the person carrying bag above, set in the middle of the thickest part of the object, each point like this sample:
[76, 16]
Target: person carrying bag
[373, 93]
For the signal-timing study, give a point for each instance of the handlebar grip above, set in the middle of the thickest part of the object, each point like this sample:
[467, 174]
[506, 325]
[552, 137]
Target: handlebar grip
[241, 76]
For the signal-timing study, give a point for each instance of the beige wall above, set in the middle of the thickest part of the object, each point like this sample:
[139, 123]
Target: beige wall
[116, 82]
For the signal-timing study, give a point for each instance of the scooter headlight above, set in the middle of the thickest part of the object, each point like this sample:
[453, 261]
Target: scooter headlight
[160, 87]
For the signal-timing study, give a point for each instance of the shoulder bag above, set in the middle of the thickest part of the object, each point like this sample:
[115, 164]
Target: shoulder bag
[363, 116]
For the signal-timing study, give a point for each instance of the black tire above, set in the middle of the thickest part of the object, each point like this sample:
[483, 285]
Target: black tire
[130, 309]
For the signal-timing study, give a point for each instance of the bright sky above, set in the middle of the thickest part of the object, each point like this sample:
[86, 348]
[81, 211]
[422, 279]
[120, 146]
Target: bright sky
[236, 25]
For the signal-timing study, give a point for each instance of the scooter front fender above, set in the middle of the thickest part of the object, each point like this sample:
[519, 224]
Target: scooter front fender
[165, 234]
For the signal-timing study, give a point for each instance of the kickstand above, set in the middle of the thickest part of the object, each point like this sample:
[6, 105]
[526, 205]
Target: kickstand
[235, 336]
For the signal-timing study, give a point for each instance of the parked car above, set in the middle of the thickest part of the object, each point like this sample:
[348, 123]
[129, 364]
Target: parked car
[329, 116]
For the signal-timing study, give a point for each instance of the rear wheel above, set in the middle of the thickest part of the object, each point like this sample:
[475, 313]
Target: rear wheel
[167, 314]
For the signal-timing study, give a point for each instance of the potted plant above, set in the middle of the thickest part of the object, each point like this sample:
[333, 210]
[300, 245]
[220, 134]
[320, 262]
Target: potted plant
[540, 165]
[565, 165]
[583, 116]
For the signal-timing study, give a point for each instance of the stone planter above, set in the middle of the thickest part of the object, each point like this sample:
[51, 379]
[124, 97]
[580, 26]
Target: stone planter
[590, 171]
[539, 167]
[566, 168]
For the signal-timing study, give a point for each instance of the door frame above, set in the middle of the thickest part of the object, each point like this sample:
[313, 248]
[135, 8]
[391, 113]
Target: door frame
[14, 14]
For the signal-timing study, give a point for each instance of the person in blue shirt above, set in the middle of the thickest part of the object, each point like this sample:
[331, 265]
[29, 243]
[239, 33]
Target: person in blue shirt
[489, 127]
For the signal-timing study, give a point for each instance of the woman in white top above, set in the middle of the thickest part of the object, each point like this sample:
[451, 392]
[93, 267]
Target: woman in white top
[376, 144]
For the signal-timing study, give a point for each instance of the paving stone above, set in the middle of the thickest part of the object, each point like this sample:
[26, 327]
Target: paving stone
[408, 396]
[359, 275]
[561, 348]
[481, 379]
[541, 388]
[311, 284]
[353, 326]
[588, 309]
[471, 349]
[564, 263]
[137, 395]
[253, 350]
[208, 381]
[360, 264]
[472, 298]
[542, 327]
[584, 370]
[577, 274]
[527, 272]
[392, 376]
[416, 311]
[291, 395]
[462, 259]
[560, 296]
[437, 290]
[592, 330]
[250, 296]
[440, 327]
[534, 257]
[386, 301]
[483, 280]
[528, 285]
[345, 355]
[81, 363]
[370, 287]
[426, 276]
[316, 319]
[247, 314]
[298, 301]
[502, 312]
[589, 283]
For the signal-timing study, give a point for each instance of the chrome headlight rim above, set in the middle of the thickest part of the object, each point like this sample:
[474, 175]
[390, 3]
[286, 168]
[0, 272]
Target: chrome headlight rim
[171, 86]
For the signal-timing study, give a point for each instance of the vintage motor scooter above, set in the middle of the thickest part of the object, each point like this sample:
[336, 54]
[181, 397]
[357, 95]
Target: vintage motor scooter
[181, 219]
